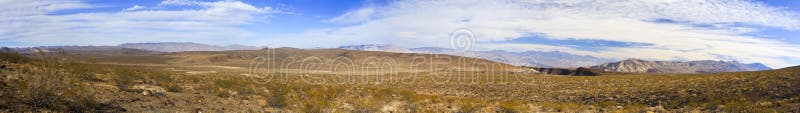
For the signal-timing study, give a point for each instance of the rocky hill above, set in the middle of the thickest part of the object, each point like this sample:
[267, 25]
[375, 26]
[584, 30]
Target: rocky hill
[702, 66]
[184, 46]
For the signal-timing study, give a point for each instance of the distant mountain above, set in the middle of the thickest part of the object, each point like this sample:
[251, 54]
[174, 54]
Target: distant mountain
[376, 47]
[184, 46]
[702, 66]
[758, 66]
[94, 50]
[528, 58]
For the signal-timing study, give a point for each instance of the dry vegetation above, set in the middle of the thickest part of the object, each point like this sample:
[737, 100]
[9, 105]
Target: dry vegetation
[57, 83]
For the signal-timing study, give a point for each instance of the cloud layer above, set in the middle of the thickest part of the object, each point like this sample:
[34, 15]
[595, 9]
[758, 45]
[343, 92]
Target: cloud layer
[673, 29]
[38, 22]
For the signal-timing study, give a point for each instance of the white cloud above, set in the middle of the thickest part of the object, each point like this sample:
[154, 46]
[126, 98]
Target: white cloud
[179, 2]
[22, 8]
[206, 22]
[516, 47]
[134, 8]
[429, 23]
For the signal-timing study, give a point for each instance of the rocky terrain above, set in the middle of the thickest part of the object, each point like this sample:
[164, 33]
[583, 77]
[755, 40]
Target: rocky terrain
[703, 66]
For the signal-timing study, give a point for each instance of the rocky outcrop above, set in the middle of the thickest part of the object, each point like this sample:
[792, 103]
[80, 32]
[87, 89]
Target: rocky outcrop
[703, 66]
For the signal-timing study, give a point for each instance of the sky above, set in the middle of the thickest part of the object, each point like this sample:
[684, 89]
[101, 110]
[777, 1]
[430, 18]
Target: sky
[747, 31]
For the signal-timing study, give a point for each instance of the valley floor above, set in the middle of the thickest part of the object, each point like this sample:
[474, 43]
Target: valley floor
[41, 85]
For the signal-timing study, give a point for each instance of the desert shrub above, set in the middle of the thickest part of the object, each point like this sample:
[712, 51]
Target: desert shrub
[159, 77]
[470, 105]
[513, 107]
[13, 57]
[312, 108]
[606, 104]
[48, 85]
[173, 88]
[82, 71]
[277, 98]
[631, 108]
[565, 106]
[231, 86]
[126, 78]
[746, 107]
[321, 96]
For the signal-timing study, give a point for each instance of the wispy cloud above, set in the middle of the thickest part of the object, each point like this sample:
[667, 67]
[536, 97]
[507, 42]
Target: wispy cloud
[697, 29]
[360, 15]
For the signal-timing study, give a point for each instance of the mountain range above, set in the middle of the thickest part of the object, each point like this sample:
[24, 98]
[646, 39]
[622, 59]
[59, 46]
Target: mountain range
[94, 50]
[701, 66]
[546, 60]
[184, 46]
[527, 58]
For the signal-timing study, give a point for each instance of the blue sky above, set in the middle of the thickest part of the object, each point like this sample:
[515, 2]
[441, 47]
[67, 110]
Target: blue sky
[742, 30]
